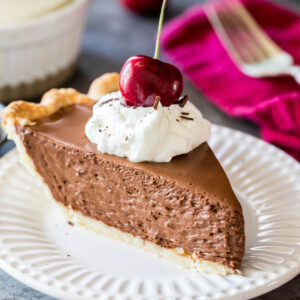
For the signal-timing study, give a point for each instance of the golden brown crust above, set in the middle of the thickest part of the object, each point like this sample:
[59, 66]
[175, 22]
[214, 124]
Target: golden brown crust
[25, 113]
[104, 84]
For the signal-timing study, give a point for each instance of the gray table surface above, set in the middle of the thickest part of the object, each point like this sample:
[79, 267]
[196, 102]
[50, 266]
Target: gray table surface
[112, 35]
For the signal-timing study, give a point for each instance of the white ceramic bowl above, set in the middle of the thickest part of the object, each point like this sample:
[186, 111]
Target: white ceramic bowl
[39, 54]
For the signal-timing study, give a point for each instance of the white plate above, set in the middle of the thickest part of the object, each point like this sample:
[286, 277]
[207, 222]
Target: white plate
[39, 248]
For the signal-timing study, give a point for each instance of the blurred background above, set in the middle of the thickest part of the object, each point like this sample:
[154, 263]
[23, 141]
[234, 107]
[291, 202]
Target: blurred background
[112, 34]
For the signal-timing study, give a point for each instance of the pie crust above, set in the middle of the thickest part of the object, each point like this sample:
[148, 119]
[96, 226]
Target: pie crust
[25, 113]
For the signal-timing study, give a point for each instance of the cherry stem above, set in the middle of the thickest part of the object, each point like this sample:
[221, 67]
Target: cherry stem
[161, 19]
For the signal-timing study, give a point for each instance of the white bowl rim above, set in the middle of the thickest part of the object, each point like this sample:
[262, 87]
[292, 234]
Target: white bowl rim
[46, 18]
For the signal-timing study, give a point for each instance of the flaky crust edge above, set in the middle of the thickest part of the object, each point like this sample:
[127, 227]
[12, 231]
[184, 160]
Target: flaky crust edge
[25, 113]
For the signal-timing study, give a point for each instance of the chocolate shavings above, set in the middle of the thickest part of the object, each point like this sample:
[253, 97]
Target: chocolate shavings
[187, 118]
[107, 101]
[157, 99]
[183, 100]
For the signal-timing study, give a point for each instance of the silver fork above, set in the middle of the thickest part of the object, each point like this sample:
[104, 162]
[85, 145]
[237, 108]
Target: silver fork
[246, 43]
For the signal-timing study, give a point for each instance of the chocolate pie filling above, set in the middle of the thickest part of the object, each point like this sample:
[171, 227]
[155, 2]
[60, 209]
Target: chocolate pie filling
[187, 203]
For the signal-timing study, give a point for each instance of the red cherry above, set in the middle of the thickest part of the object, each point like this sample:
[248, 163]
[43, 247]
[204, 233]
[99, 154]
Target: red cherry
[142, 6]
[143, 78]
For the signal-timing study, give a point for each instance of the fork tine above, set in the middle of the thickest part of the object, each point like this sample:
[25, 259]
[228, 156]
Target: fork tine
[230, 33]
[216, 23]
[239, 32]
[250, 38]
[239, 35]
[270, 47]
[260, 42]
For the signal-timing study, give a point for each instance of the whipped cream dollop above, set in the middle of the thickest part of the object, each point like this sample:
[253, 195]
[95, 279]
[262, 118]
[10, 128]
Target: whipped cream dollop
[145, 133]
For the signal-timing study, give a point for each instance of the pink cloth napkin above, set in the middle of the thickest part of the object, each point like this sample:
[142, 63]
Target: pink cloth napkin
[273, 103]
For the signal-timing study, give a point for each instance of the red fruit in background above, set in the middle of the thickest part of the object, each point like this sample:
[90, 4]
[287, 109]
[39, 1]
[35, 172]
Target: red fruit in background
[142, 78]
[144, 7]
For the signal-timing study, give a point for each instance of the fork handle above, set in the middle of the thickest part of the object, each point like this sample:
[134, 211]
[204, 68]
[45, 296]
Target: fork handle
[294, 71]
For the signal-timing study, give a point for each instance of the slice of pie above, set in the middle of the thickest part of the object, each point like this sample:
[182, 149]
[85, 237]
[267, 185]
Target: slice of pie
[184, 210]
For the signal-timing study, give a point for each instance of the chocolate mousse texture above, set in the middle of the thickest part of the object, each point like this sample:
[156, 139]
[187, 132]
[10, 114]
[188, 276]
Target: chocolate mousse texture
[187, 203]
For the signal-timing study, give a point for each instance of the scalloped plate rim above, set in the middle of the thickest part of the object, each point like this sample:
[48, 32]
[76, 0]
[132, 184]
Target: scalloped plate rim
[59, 293]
